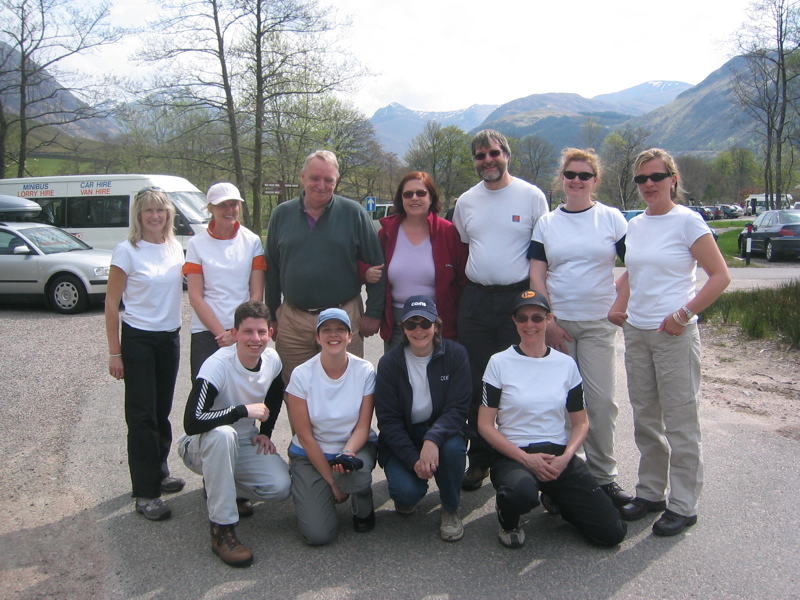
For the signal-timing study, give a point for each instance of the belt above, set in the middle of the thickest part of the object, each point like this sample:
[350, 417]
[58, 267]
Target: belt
[520, 286]
[316, 311]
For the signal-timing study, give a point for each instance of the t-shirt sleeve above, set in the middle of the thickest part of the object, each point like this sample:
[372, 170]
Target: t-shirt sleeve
[121, 258]
[193, 263]
[492, 374]
[198, 416]
[298, 384]
[575, 401]
[536, 251]
[369, 381]
[491, 396]
[694, 228]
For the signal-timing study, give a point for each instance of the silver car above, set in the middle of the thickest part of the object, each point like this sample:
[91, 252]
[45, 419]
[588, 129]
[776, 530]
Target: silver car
[38, 259]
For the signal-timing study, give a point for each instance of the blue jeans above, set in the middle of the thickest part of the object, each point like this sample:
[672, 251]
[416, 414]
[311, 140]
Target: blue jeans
[406, 489]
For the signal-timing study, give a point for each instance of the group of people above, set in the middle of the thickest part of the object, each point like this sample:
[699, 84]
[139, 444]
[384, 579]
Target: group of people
[499, 335]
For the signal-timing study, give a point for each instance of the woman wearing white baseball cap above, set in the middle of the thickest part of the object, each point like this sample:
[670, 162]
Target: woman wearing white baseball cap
[224, 267]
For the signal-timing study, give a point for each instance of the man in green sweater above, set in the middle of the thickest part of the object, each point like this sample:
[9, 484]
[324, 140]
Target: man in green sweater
[314, 243]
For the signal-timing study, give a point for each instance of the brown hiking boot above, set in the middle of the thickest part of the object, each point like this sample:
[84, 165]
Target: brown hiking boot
[227, 546]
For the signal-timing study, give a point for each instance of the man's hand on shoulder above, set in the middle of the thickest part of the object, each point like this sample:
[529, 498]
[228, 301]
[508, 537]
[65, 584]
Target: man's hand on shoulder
[369, 326]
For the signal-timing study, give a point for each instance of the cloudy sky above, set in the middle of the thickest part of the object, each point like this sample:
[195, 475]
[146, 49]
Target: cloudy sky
[449, 54]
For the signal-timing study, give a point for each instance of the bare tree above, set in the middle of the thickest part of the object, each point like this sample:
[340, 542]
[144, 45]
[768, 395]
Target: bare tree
[767, 88]
[36, 36]
[619, 153]
[537, 159]
[591, 133]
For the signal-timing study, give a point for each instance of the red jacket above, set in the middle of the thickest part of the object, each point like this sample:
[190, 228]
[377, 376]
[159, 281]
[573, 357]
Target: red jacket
[449, 260]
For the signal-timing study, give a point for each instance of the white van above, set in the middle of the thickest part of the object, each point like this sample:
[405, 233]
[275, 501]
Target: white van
[96, 208]
[757, 203]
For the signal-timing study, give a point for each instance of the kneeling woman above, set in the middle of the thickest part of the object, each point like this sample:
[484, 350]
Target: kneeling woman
[422, 397]
[528, 389]
[329, 401]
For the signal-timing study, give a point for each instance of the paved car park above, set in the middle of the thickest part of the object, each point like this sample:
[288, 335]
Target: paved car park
[69, 529]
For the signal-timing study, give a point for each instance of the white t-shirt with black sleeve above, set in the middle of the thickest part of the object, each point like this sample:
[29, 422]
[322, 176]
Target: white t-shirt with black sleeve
[154, 288]
[661, 269]
[535, 395]
[333, 404]
[580, 249]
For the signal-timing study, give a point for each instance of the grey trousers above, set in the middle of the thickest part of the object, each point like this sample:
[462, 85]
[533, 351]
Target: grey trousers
[664, 385]
[232, 469]
[315, 503]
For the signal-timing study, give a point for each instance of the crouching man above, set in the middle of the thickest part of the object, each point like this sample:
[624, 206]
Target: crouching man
[233, 390]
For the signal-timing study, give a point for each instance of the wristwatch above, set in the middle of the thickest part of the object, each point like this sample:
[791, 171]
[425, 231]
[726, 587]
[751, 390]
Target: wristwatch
[689, 314]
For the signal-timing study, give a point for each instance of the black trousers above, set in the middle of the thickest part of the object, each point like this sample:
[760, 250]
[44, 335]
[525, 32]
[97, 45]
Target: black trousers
[485, 328]
[150, 359]
[203, 344]
[581, 501]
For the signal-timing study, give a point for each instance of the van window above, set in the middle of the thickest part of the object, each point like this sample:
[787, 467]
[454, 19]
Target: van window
[52, 211]
[91, 211]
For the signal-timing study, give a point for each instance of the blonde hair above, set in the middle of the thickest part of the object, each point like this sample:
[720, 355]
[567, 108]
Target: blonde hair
[676, 191]
[156, 197]
[574, 154]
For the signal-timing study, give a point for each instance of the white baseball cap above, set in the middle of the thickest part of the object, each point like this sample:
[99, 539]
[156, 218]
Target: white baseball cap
[220, 192]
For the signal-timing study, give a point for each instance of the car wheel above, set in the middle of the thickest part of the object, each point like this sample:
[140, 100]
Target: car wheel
[67, 295]
[770, 252]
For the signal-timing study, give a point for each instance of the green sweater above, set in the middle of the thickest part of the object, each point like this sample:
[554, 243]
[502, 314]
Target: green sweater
[318, 268]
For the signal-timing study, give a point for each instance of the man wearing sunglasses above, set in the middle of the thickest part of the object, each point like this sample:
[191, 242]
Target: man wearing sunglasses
[496, 219]
[313, 245]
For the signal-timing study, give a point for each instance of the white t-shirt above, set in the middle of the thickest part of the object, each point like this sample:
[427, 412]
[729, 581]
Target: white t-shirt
[236, 384]
[498, 226]
[533, 399]
[154, 288]
[581, 254]
[421, 403]
[226, 267]
[333, 404]
[661, 268]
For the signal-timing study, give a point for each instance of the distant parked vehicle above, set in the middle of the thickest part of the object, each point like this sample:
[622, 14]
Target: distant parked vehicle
[703, 212]
[716, 212]
[776, 233]
[731, 211]
[629, 214]
[381, 210]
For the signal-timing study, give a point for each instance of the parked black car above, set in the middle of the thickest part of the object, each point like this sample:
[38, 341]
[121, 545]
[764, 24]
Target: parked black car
[776, 233]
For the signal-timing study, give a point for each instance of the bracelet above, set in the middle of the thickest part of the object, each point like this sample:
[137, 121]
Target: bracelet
[677, 319]
[110, 355]
[345, 451]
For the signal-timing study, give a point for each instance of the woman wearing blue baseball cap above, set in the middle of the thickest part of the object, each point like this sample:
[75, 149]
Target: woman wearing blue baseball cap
[329, 402]
[422, 397]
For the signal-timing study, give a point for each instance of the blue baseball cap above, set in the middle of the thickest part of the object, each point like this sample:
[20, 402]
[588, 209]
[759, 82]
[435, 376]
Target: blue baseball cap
[334, 313]
[420, 306]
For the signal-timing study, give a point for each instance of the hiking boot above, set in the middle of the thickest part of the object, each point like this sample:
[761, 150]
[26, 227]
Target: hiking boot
[451, 529]
[473, 479]
[364, 525]
[245, 508]
[227, 546]
[405, 510]
[172, 485]
[154, 509]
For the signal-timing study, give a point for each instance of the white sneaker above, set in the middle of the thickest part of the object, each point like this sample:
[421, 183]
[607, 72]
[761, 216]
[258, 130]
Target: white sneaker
[515, 538]
[451, 528]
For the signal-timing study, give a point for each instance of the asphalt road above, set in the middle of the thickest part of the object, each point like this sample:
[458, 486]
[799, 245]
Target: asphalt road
[69, 529]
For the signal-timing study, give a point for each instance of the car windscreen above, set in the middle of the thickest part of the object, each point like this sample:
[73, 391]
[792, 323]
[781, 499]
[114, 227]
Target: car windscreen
[192, 205]
[51, 240]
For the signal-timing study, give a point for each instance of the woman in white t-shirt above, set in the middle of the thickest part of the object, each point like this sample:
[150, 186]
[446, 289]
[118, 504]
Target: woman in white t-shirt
[146, 276]
[330, 405]
[657, 308]
[573, 253]
[224, 267]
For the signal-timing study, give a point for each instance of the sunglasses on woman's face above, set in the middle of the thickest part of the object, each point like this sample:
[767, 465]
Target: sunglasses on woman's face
[408, 194]
[525, 318]
[655, 177]
[412, 325]
[582, 176]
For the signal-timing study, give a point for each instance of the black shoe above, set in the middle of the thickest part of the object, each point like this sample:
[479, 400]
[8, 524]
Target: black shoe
[618, 496]
[473, 479]
[364, 525]
[671, 523]
[548, 504]
[639, 507]
[244, 507]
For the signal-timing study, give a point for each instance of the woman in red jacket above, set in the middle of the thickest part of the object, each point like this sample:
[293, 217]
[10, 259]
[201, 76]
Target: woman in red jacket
[424, 256]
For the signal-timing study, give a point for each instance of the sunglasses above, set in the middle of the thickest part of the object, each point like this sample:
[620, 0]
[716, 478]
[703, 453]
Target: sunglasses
[525, 318]
[482, 155]
[412, 325]
[582, 176]
[408, 194]
[151, 188]
[655, 177]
